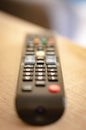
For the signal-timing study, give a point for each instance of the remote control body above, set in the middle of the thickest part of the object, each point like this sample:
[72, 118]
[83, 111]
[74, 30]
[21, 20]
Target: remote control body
[40, 97]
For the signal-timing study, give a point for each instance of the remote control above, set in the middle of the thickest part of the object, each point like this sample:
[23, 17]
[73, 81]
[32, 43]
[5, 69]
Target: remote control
[40, 98]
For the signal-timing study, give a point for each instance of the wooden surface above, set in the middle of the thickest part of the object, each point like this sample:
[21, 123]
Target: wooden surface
[73, 60]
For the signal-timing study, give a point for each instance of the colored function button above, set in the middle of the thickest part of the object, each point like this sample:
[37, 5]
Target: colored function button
[29, 39]
[44, 41]
[26, 88]
[30, 42]
[29, 59]
[54, 88]
[51, 41]
[36, 40]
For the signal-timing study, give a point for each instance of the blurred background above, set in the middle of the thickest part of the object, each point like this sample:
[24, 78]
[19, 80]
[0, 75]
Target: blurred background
[66, 17]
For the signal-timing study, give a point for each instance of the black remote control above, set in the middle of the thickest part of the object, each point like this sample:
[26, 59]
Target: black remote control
[40, 96]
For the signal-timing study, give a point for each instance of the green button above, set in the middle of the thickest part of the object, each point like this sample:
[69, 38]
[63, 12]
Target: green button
[44, 41]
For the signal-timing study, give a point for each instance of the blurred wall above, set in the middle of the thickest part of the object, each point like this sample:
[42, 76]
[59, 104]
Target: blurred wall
[31, 10]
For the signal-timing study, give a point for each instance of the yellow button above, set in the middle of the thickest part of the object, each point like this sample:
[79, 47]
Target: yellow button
[36, 40]
[40, 53]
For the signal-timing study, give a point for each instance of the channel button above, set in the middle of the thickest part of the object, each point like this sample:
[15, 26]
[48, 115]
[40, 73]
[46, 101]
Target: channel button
[50, 59]
[30, 59]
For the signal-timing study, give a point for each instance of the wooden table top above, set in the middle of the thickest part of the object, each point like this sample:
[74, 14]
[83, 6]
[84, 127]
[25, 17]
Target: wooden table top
[73, 60]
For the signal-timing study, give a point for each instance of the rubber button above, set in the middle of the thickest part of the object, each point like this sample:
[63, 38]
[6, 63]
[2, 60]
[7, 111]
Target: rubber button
[36, 40]
[52, 78]
[40, 54]
[40, 83]
[27, 88]
[54, 88]
[30, 59]
[40, 78]
[30, 49]
[51, 41]
[44, 41]
[28, 70]
[27, 78]
[40, 74]
[28, 66]
[50, 53]
[29, 53]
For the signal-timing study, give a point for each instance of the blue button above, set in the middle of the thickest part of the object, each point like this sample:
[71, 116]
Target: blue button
[30, 59]
[30, 41]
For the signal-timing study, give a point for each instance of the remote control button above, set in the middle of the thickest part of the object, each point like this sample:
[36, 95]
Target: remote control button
[50, 53]
[27, 78]
[29, 53]
[40, 54]
[52, 78]
[29, 39]
[40, 58]
[52, 70]
[36, 40]
[28, 66]
[39, 73]
[54, 88]
[40, 83]
[40, 61]
[50, 49]
[30, 42]
[52, 74]
[28, 70]
[27, 74]
[51, 66]
[40, 48]
[50, 59]
[26, 88]
[40, 78]
[30, 59]
[44, 41]
[51, 41]
[50, 46]
[30, 50]
[40, 70]
[40, 66]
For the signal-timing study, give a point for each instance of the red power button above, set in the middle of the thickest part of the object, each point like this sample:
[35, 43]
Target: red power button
[54, 88]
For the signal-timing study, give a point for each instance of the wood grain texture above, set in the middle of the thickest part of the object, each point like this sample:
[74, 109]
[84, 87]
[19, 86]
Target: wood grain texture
[73, 60]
